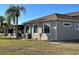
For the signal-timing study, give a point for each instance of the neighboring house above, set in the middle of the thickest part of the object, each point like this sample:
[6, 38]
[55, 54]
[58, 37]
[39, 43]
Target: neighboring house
[53, 27]
[9, 31]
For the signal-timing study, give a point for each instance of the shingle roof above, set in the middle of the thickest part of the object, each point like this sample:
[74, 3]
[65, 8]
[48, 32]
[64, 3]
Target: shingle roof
[55, 16]
[44, 18]
[64, 16]
[73, 13]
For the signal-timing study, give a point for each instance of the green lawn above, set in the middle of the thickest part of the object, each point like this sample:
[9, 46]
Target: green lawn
[25, 47]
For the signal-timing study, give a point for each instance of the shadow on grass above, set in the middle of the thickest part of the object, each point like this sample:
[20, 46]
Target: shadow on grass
[8, 38]
[61, 41]
[66, 41]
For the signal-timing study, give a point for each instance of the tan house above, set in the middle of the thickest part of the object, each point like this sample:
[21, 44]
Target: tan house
[53, 27]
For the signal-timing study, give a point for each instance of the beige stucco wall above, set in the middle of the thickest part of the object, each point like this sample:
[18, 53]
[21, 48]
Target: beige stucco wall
[66, 33]
[58, 31]
[50, 36]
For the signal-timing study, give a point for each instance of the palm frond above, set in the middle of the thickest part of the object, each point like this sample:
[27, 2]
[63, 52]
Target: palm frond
[2, 19]
[23, 9]
[11, 9]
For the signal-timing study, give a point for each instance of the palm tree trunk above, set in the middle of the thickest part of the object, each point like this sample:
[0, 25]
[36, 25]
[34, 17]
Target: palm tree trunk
[16, 27]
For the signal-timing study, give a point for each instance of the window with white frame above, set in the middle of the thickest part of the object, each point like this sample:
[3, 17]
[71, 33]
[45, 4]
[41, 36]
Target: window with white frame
[46, 27]
[67, 24]
[27, 29]
[35, 28]
[77, 26]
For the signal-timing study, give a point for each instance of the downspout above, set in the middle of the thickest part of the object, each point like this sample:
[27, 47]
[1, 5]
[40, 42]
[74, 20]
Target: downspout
[56, 30]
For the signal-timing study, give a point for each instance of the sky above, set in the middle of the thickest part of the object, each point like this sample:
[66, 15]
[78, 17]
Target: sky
[34, 11]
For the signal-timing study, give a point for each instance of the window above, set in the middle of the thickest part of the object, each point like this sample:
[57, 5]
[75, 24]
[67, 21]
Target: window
[76, 26]
[67, 24]
[27, 29]
[35, 28]
[46, 28]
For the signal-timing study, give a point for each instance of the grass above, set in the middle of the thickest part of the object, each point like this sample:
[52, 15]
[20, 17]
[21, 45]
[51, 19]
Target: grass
[25, 47]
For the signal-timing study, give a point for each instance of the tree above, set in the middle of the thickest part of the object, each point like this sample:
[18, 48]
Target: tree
[2, 18]
[13, 13]
[10, 13]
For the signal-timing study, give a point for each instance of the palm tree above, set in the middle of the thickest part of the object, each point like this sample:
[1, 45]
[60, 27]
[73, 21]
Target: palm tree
[13, 13]
[10, 13]
[2, 18]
